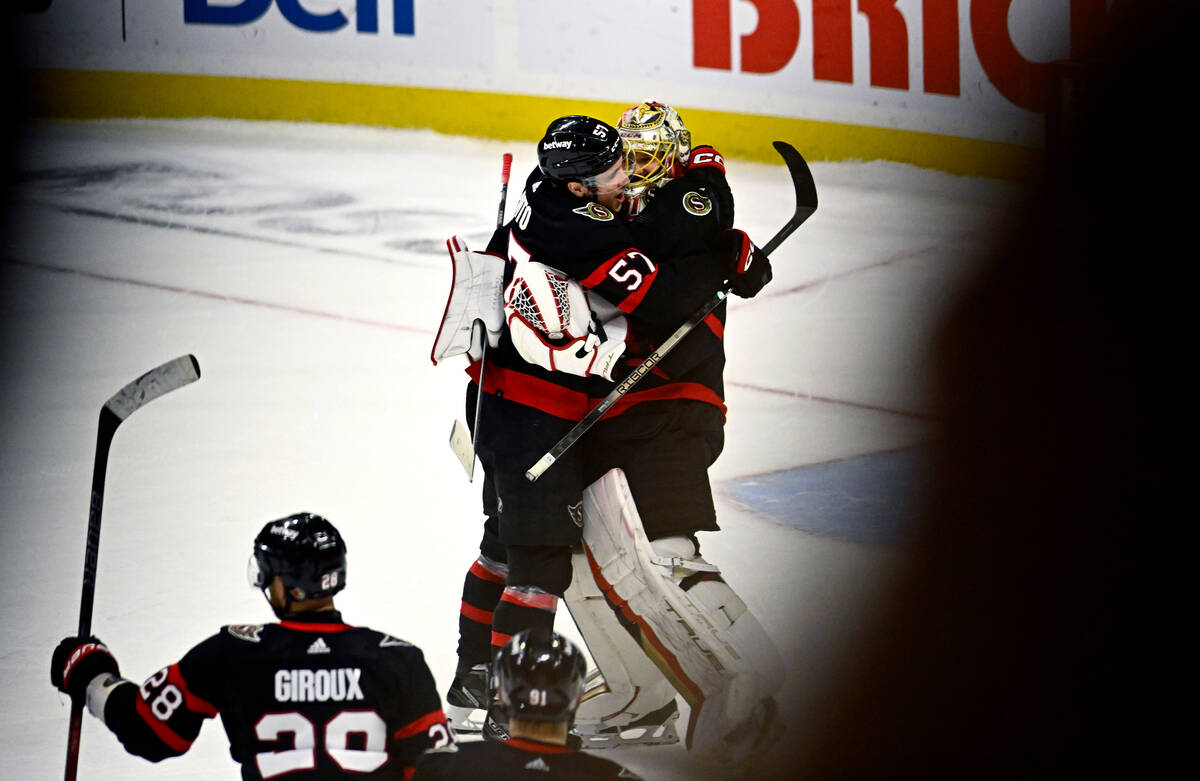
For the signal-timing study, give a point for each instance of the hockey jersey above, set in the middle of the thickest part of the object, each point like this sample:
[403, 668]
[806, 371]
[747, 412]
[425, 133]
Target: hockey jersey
[610, 257]
[516, 760]
[308, 697]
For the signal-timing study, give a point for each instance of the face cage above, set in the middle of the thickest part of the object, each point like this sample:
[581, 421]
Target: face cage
[647, 161]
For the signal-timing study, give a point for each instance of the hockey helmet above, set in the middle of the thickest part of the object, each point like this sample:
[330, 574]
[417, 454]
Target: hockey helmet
[655, 138]
[578, 148]
[307, 553]
[539, 676]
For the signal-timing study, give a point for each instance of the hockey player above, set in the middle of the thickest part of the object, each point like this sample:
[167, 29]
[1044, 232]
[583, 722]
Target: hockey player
[640, 519]
[539, 680]
[309, 696]
[663, 435]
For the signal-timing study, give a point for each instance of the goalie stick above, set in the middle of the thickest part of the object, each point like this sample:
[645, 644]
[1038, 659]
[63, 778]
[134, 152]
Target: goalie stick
[163, 379]
[462, 445]
[806, 204]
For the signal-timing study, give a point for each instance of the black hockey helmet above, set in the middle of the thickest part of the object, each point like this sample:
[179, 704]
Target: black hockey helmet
[305, 551]
[539, 676]
[576, 148]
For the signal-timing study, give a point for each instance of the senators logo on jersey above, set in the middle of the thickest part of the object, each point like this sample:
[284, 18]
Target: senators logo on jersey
[595, 211]
[696, 204]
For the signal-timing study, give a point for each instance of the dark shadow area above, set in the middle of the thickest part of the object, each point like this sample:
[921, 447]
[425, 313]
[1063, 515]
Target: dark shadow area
[1035, 626]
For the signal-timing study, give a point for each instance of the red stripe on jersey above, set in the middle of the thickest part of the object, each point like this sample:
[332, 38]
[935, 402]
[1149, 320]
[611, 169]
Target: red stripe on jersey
[684, 684]
[304, 626]
[532, 392]
[409, 772]
[167, 735]
[194, 704]
[475, 614]
[645, 269]
[539, 600]
[631, 302]
[421, 724]
[714, 323]
[499, 640]
[484, 572]
[601, 272]
[538, 748]
[572, 405]
[676, 390]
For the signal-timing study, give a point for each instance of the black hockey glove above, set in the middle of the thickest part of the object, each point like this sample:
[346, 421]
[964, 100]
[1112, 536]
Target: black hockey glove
[76, 661]
[707, 167]
[749, 266]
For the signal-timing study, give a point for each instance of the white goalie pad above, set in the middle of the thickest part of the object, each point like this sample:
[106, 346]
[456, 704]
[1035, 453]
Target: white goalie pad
[551, 322]
[476, 295]
[626, 699]
[703, 639]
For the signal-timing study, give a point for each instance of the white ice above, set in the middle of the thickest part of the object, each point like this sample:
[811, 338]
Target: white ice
[303, 266]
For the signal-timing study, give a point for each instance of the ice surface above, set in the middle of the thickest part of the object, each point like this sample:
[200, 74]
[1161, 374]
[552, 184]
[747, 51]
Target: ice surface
[304, 266]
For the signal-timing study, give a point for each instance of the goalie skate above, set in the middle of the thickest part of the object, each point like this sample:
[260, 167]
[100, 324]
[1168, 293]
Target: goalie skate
[656, 728]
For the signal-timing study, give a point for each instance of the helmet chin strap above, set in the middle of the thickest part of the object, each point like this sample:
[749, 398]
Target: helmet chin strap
[280, 612]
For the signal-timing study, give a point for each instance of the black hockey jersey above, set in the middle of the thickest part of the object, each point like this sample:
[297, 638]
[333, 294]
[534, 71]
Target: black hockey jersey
[308, 697]
[657, 292]
[515, 760]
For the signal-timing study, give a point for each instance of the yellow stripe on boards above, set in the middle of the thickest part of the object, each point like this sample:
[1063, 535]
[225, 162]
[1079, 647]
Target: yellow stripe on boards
[77, 94]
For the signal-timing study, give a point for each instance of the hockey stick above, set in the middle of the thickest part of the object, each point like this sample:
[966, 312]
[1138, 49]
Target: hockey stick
[458, 434]
[145, 389]
[806, 204]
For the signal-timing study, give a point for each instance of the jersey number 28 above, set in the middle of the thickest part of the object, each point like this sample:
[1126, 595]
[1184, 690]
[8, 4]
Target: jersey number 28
[303, 756]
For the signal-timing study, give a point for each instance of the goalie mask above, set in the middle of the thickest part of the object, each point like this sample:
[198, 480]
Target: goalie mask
[655, 138]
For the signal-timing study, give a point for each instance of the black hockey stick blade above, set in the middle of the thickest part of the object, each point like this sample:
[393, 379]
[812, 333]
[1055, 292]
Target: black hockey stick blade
[806, 204]
[160, 380]
[806, 193]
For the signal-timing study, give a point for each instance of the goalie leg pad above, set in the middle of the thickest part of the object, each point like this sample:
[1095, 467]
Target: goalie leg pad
[693, 626]
[627, 688]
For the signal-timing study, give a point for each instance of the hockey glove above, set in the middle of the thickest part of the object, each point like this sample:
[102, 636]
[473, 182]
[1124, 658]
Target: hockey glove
[749, 266]
[707, 167]
[76, 661]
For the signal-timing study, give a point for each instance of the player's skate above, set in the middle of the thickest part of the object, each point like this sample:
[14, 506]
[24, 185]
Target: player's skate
[495, 726]
[468, 699]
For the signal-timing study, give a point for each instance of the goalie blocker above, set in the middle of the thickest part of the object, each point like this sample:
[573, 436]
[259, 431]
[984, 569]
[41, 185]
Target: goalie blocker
[685, 619]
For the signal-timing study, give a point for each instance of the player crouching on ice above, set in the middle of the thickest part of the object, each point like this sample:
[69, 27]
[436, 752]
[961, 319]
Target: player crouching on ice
[309, 696]
[539, 678]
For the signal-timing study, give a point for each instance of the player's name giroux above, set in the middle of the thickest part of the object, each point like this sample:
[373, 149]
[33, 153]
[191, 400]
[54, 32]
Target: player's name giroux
[301, 685]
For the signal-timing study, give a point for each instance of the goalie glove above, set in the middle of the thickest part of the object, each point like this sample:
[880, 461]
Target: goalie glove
[551, 323]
